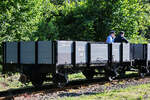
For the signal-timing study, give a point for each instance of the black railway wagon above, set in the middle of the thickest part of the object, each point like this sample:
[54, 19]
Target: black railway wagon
[140, 54]
[120, 53]
[64, 52]
[133, 57]
[35, 60]
[10, 56]
[119, 60]
[148, 54]
[80, 53]
[98, 59]
[98, 53]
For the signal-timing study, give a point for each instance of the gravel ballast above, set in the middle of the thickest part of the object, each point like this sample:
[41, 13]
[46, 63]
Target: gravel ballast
[85, 89]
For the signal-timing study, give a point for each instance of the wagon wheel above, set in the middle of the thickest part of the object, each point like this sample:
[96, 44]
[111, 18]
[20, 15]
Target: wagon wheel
[143, 70]
[121, 71]
[110, 74]
[24, 78]
[37, 83]
[60, 80]
[118, 71]
[89, 73]
[36, 79]
[141, 73]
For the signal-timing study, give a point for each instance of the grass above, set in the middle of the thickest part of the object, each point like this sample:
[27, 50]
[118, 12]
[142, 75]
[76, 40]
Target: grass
[131, 72]
[76, 76]
[11, 82]
[81, 76]
[141, 92]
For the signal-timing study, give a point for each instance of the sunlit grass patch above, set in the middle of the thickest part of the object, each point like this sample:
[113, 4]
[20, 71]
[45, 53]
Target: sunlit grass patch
[11, 82]
[140, 92]
[131, 72]
[76, 76]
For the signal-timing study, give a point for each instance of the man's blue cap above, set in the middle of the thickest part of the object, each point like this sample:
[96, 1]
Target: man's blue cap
[112, 32]
[122, 32]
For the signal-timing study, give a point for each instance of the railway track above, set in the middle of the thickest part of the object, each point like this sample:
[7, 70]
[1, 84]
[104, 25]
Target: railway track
[11, 93]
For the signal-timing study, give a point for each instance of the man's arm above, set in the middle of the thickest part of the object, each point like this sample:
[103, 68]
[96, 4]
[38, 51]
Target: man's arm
[125, 40]
[109, 40]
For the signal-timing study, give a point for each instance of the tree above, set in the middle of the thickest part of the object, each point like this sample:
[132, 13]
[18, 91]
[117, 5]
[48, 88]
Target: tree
[93, 19]
[19, 19]
[77, 20]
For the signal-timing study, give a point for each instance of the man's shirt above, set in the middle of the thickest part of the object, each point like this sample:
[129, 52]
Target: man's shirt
[109, 39]
[120, 39]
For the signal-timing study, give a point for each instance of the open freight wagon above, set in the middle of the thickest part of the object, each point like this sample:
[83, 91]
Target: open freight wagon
[35, 60]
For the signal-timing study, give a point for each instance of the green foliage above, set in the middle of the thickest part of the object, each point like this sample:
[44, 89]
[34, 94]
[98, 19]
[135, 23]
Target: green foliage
[71, 19]
[138, 39]
[47, 29]
[18, 19]
[93, 19]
